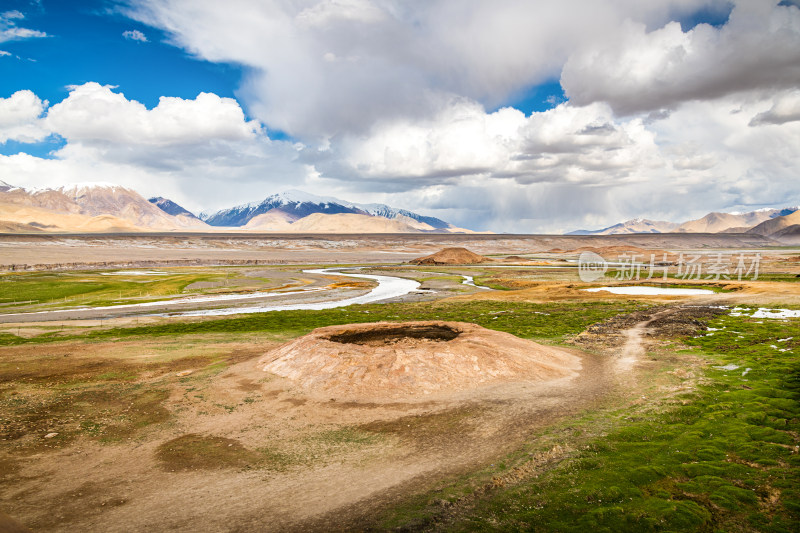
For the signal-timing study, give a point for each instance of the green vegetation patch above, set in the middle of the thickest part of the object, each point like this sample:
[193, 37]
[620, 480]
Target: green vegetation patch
[109, 414]
[92, 288]
[204, 452]
[722, 458]
[99, 398]
[528, 320]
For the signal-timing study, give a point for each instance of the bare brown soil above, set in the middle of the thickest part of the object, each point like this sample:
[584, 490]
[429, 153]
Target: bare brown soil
[412, 361]
[451, 256]
[629, 364]
[190, 434]
[225, 446]
[71, 251]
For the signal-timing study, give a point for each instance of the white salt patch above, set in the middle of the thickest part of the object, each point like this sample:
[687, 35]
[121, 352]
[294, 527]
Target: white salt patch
[727, 367]
[776, 313]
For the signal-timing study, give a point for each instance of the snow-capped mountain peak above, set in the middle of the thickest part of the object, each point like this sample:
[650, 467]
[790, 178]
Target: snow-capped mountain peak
[296, 204]
[293, 196]
[82, 188]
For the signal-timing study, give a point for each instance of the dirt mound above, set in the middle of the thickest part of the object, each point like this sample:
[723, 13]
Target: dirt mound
[517, 258]
[451, 256]
[412, 360]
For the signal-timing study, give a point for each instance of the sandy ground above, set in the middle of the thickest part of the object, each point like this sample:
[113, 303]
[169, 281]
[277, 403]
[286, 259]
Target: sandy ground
[330, 465]
[22, 251]
[341, 460]
[91, 487]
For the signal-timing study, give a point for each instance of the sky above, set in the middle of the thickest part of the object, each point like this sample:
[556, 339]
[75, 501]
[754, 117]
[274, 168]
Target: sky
[500, 115]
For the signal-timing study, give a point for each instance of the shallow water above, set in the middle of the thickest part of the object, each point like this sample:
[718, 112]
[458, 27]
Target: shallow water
[469, 280]
[763, 312]
[174, 301]
[388, 287]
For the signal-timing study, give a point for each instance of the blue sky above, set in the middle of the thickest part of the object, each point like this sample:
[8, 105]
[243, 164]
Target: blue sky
[501, 115]
[85, 43]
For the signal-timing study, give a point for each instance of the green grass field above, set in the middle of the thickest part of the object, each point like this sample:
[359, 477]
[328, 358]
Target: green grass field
[554, 321]
[721, 458]
[93, 288]
[721, 455]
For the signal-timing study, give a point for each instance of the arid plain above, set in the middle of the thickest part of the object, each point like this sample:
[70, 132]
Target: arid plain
[173, 382]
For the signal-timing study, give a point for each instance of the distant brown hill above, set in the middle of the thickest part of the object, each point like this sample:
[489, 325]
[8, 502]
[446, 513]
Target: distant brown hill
[716, 222]
[789, 234]
[451, 256]
[87, 207]
[774, 225]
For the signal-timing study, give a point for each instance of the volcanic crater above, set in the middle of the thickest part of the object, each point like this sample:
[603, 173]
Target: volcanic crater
[387, 361]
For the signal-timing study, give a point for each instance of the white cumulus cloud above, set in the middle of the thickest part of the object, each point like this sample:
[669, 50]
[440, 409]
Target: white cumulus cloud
[95, 114]
[638, 70]
[11, 31]
[20, 117]
[135, 35]
[321, 68]
[407, 103]
[203, 151]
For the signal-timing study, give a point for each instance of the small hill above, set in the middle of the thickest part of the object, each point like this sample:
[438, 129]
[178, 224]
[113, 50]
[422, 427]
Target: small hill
[412, 360]
[716, 222]
[273, 220]
[776, 224]
[170, 207]
[790, 234]
[451, 256]
[18, 227]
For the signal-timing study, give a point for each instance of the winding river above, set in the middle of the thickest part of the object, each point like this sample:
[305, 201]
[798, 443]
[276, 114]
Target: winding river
[388, 287]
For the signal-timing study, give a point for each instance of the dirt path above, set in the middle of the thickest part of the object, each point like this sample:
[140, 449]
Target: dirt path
[337, 462]
[634, 347]
[342, 459]
[614, 378]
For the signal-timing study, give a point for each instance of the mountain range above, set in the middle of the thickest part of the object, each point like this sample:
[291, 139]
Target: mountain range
[85, 207]
[107, 207]
[762, 221]
[294, 205]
